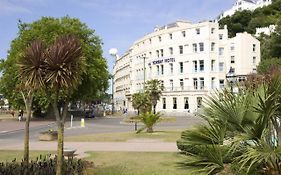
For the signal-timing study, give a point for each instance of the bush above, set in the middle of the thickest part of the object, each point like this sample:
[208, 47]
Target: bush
[43, 165]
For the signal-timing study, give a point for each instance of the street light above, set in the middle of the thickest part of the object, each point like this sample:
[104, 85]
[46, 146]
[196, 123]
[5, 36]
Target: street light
[143, 73]
[113, 52]
[231, 78]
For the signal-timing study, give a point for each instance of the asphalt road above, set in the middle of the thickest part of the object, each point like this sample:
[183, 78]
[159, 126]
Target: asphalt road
[96, 125]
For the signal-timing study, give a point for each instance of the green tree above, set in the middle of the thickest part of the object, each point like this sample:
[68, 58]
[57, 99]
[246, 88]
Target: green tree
[242, 129]
[48, 29]
[141, 102]
[154, 89]
[149, 119]
[267, 64]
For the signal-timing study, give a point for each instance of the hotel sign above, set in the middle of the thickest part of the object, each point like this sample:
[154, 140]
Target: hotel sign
[166, 60]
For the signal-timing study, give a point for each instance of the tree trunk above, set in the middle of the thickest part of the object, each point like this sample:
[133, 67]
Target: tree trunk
[28, 105]
[60, 157]
[154, 109]
[149, 130]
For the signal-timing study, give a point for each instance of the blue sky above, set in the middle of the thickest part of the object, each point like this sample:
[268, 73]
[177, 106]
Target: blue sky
[118, 22]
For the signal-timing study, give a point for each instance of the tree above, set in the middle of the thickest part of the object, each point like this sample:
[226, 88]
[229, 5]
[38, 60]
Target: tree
[31, 79]
[141, 102]
[48, 29]
[243, 130]
[149, 119]
[63, 70]
[154, 89]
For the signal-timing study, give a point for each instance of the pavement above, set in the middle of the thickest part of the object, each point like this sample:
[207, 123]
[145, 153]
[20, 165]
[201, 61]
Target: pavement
[142, 145]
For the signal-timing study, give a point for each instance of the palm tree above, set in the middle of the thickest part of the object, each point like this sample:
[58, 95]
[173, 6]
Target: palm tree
[63, 70]
[247, 121]
[154, 88]
[149, 120]
[141, 102]
[31, 76]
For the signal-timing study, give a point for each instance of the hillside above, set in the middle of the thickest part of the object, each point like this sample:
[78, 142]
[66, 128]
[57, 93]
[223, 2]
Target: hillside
[249, 20]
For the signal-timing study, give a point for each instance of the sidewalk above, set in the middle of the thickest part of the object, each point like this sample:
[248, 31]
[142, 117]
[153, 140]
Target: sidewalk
[82, 147]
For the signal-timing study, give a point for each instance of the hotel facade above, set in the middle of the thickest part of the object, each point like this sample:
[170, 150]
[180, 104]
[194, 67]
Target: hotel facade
[191, 60]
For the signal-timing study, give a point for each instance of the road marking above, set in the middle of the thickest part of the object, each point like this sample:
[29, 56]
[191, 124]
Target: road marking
[3, 132]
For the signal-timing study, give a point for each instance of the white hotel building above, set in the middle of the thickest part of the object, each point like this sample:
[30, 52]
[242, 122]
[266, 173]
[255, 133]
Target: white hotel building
[191, 60]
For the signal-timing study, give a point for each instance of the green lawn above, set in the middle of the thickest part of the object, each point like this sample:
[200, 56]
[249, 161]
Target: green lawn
[8, 156]
[166, 136]
[136, 163]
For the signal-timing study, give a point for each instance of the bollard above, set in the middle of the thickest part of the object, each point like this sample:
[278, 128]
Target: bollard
[82, 122]
[71, 121]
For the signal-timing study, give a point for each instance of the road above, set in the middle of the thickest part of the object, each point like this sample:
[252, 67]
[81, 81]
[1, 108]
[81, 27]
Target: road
[95, 125]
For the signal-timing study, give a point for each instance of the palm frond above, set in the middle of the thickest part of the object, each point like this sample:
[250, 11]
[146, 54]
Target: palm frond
[32, 66]
[63, 63]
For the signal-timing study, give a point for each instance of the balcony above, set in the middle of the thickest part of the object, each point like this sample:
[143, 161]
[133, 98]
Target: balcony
[185, 88]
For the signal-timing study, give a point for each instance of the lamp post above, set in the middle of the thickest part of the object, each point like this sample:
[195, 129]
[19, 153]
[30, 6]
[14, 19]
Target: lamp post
[231, 78]
[113, 52]
[143, 73]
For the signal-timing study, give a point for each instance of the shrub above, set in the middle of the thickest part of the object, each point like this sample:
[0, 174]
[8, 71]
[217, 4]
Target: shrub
[43, 165]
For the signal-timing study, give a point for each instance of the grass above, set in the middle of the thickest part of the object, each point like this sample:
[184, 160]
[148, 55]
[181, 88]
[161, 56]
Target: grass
[136, 163]
[166, 136]
[8, 156]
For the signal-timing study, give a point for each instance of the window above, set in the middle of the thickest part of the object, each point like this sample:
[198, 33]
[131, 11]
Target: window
[150, 54]
[186, 104]
[171, 36]
[195, 66]
[201, 65]
[221, 50]
[199, 102]
[232, 48]
[183, 33]
[171, 50]
[232, 59]
[221, 84]
[162, 69]
[221, 66]
[181, 67]
[171, 68]
[201, 83]
[149, 40]
[212, 30]
[213, 83]
[194, 46]
[181, 49]
[197, 31]
[158, 70]
[254, 47]
[171, 84]
[254, 61]
[181, 84]
[174, 103]
[164, 103]
[201, 47]
[213, 65]
[195, 83]
[162, 52]
[159, 38]
[212, 46]
[220, 36]
[157, 53]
